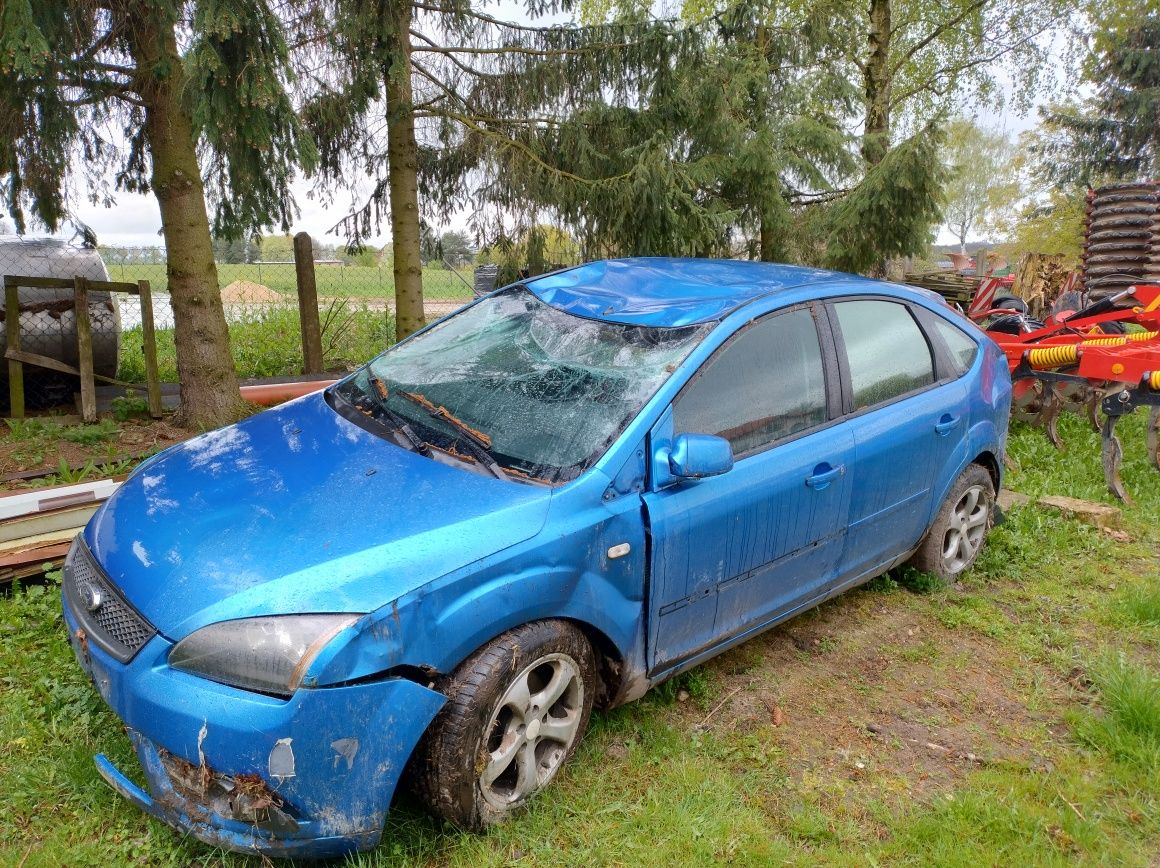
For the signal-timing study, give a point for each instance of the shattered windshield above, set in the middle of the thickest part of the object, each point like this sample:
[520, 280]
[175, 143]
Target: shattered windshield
[514, 382]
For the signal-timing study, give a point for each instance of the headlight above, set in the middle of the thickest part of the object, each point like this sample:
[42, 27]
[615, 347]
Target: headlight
[269, 655]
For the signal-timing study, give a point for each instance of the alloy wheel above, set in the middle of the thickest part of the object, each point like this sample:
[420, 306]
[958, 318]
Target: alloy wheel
[965, 529]
[531, 730]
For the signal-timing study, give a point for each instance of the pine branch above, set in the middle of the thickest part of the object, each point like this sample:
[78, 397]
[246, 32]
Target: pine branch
[506, 142]
[487, 19]
[512, 49]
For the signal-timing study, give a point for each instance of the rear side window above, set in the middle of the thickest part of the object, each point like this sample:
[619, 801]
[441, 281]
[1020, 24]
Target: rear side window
[962, 349]
[887, 352]
[765, 384]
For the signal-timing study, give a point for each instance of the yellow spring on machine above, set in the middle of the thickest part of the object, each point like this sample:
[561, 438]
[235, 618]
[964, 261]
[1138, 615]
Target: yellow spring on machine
[1119, 340]
[1154, 381]
[1053, 357]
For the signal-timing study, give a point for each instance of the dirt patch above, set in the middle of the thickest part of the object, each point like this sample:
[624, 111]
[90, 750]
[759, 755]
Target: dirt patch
[861, 690]
[249, 292]
[131, 439]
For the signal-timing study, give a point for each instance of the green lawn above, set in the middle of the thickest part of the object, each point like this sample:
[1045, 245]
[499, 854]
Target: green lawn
[343, 281]
[268, 343]
[1011, 720]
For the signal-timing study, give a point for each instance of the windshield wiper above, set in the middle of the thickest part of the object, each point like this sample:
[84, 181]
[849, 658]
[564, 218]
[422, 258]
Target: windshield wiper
[417, 443]
[477, 443]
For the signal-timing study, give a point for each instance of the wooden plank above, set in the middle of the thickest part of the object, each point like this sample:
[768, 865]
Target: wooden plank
[67, 283]
[56, 365]
[15, 368]
[74, 517]
[85, 350]
[34, 557]
[41, 499]
[40, 361]
[30, 543]
[149, 345]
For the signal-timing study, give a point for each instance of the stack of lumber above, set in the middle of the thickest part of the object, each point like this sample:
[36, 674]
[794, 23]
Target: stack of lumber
[951, 285]
[37, 526]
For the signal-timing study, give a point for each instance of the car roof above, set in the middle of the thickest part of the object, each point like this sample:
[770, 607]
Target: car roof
[661, 291]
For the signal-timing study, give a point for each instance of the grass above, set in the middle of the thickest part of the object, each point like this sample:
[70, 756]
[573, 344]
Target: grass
[345, 281]
[1043, 661]
[35, 438]
[269, 344]
[1127, 727]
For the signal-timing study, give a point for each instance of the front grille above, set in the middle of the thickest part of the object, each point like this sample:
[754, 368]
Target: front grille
[104, 615]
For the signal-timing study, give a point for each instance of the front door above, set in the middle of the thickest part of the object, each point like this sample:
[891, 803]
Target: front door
[733, 552]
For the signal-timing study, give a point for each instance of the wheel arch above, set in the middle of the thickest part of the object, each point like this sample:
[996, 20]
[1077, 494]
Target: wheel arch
[987, 460]
[610, 662]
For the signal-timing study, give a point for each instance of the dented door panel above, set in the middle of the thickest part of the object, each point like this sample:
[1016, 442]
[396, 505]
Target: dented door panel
[738, 550]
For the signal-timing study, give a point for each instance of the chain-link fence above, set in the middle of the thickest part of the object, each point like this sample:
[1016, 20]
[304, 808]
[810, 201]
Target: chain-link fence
[261, 301]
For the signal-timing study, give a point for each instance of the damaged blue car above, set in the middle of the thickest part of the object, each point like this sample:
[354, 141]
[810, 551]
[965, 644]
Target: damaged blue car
[549, 501]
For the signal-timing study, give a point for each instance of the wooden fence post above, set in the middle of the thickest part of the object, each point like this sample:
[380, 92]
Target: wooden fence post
[149, 346]
[15, 368]
[308, 304]
[85, 350]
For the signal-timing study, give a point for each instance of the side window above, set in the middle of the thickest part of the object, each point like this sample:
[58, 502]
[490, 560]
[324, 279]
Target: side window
[887, 352]
[962, 349]
[765, 384]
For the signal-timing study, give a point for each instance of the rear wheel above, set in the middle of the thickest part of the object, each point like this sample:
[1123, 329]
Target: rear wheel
[956, 536]
[516, 711]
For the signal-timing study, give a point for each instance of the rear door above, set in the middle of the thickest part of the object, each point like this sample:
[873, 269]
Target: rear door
[733, 552]
[908, 424]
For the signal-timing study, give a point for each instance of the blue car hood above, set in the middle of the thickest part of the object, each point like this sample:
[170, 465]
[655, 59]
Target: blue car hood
[297, 510]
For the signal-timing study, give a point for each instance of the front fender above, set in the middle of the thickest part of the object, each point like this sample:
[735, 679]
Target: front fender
[564, 572]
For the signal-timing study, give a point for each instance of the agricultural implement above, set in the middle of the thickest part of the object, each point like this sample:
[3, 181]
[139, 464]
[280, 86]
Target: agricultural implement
[1104, 356]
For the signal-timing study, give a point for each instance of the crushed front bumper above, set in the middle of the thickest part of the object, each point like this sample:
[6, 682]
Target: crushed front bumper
[309, 776]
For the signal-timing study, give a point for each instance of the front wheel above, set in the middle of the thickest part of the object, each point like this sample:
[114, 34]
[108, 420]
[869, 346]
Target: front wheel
[956, 536]
[516, 711]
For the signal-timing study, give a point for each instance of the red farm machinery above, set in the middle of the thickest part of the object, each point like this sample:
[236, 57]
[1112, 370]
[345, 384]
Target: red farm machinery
[1087, 340]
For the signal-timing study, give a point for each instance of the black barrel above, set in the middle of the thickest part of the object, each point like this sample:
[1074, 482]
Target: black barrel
[48, 323]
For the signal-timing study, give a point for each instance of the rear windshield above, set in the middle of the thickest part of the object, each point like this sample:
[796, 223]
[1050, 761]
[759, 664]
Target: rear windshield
[545, 390]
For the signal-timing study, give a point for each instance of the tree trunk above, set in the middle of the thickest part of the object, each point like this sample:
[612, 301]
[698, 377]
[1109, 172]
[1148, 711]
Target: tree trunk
[402, 175]
[767, 239]
[877, 83]
[205, 368]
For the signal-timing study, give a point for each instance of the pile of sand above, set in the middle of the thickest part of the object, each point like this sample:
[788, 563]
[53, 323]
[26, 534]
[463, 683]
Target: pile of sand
[248, 292]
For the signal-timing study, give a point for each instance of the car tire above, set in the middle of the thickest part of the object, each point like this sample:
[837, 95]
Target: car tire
[516, 711]
[956, 536]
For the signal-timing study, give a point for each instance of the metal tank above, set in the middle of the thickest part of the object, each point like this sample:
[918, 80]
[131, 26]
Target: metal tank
[48, 318]
[1121, 237]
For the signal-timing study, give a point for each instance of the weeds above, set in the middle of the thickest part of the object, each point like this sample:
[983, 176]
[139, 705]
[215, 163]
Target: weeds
[1142, 605]
[129, 406]
[1128, 728]
[90, 435]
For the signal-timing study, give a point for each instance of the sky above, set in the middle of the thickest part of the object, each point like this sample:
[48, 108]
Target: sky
[134, 219]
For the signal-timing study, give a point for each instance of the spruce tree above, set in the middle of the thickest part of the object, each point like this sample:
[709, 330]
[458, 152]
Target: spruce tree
[439, 101]
[1114, 135]
[195, 96]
